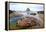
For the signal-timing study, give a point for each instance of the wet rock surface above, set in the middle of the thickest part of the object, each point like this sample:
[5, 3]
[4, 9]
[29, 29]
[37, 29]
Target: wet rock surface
[25, 22]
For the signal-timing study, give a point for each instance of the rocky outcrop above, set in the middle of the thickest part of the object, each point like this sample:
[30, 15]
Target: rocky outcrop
[31, 22]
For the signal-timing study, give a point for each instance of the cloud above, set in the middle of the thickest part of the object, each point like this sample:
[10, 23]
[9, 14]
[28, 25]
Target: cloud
[23, 7]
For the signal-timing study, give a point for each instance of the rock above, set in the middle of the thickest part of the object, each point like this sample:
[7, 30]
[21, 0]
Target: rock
[27, 22]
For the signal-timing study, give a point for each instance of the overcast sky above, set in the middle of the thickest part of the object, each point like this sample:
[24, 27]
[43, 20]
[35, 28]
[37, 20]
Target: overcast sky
[23, 7]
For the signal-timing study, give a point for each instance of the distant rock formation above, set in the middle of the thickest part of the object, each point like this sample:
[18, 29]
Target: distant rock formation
[27, 9]
[41, 12]
[10, 11]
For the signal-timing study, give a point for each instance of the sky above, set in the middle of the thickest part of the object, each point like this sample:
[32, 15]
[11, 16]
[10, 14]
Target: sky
[23, 7]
